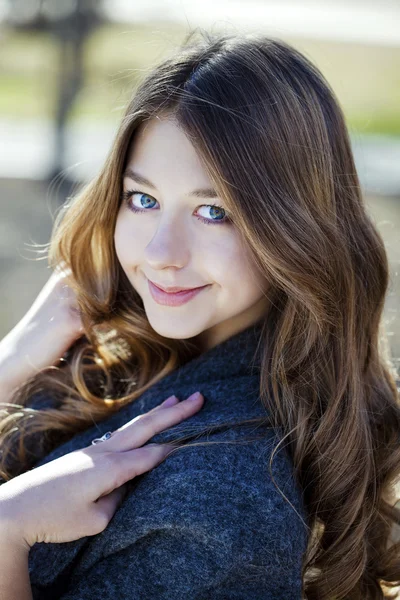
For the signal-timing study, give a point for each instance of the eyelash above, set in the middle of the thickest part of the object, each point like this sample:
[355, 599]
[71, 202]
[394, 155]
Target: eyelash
[126, 196]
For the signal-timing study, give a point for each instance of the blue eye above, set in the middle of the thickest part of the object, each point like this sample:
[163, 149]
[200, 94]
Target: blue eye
[146, 201]
[214, 212]
[143, 205]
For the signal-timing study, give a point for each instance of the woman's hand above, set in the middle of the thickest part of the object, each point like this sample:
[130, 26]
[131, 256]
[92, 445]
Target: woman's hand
[44, 334]
[77, 494]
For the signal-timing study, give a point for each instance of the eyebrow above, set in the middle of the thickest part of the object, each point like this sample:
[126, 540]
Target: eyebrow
[199, 193]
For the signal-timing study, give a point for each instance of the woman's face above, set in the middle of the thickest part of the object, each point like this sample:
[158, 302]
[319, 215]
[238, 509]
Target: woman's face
[167, 244]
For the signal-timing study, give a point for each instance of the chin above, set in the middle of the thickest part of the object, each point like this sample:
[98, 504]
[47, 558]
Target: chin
[175, 331]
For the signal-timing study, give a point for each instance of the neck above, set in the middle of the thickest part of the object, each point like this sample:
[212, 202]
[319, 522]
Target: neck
[209, 338]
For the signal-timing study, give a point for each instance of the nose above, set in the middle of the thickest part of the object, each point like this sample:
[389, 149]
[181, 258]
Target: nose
[168, 247]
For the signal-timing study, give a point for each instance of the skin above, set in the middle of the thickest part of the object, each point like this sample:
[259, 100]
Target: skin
[77, 494]
[170, 246]
[42, 336]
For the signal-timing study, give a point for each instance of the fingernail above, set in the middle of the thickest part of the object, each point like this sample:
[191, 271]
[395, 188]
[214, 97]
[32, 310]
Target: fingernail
[170, 401]
[194, 396]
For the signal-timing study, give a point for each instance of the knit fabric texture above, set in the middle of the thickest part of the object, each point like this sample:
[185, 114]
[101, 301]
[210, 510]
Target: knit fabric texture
[207, 522]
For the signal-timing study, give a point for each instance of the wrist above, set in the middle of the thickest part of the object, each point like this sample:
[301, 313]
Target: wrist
[27, 349]
[11, 540]
[14, 370]
[11, 543]
[10, 378]
[11, 535]
[14, 569]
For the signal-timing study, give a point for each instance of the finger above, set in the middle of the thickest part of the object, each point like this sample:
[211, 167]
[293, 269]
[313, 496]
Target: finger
[107, 505]
[141, 429]
[171, 401]
[128, 465]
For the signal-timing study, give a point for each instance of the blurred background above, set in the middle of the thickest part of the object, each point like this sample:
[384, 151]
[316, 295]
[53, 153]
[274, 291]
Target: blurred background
[67, 68]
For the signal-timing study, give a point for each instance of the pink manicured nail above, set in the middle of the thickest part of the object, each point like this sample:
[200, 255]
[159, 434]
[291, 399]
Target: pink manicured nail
[170, 401]
[194, 396]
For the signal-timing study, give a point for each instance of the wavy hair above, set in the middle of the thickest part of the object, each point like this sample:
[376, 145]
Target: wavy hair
[275, 144]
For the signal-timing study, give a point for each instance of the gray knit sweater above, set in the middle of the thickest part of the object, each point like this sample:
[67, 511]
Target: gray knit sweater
[205, 524]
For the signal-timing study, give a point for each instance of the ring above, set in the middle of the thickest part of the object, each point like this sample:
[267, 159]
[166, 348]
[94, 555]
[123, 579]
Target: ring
[103, 438]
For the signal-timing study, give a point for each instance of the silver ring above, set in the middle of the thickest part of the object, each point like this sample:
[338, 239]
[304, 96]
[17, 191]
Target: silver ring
[103, 438]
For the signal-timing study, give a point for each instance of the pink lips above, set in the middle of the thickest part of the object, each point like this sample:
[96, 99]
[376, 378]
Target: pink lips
[172, 299]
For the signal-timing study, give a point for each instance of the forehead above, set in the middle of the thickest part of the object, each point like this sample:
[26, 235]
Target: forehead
[160, 147]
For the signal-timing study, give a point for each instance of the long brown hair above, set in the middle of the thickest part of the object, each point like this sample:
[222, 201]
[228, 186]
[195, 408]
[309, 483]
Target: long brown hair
[275, 144]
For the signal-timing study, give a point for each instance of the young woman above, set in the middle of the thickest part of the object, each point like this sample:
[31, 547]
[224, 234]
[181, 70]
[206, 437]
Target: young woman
[232, 175]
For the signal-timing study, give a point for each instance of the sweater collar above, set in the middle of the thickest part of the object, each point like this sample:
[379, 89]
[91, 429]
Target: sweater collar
[238, 355]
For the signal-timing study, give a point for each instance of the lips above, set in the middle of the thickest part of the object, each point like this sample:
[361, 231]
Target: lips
[174, 290]
[173, 298]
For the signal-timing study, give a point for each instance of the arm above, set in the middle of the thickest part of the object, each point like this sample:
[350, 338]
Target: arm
[181, 564]
[206, 524]
[11, 370]
[41, 337]
[14, 574]
[195, 563]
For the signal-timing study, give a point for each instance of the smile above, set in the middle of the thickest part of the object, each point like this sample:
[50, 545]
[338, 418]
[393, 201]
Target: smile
[173, 299]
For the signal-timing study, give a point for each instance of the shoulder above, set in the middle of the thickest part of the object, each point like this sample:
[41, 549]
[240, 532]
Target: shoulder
[229, 484]
[221, 499]
[207, 522]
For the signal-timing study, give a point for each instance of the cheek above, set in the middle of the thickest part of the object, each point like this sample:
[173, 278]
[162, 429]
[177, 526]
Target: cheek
[120, 241]
[126, 241]
[231, 265]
